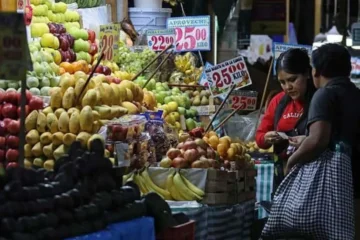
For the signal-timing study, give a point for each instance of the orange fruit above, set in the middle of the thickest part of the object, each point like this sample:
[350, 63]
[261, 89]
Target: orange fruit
[77, 66]
[225, 141]
[62, 70]
[222, 150]
[213, 141]
[231, 152]
[68, 67]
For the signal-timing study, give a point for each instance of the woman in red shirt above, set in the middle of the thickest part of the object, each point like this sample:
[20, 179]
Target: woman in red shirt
[287, 111]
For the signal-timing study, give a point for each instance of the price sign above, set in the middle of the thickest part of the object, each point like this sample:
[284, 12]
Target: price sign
[224, 75]
[243, 100]
[109, 40]
[160, 39]
[14, 50]
[192, 33]
[279, 48]
[203, 78]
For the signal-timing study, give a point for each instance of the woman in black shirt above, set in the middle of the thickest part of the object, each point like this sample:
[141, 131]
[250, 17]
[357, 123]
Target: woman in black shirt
[316, 197]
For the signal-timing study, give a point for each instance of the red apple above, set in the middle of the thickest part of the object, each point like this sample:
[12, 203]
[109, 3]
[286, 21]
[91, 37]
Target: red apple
[70, 38]
[93, 48]
[9, 111]
[99, 69]
[13, 127]
[12, 165]
[28, 97]
[72, 55]
[65, 56]
[2, 155]
[2, 142]
[7, 121]
[12, 155]
[11, 97]
[52, 28]
[26, 110]
[2, 128]
[12, 141]
[36, 103]
[106, 70]
[2, 96]
[91, 35]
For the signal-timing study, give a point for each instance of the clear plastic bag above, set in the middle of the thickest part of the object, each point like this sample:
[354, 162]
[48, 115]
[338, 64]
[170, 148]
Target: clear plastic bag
[243, 126]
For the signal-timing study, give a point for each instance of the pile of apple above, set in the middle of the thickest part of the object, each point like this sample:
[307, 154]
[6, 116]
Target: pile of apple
[10, 123]
[194, 153]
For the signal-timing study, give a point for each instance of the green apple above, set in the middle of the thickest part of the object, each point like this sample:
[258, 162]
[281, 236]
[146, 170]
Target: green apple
[181, 110]
[59, 7]
[168, 99]
[190, 124]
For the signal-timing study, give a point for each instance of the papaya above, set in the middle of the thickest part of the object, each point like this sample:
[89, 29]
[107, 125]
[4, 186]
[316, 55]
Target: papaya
[68, 100]
[56, 98]
[45, 138]
[83, 138]
[86, 119]
[74, 123]
[63, 124]
[32, 137]
[31, 120]
[41, 123]
[52, 122]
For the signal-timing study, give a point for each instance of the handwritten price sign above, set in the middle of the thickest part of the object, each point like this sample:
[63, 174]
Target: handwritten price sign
[244, 100]
[158, 40]
[192, 33]
[109, 38]
[14, 51]
[224, 75]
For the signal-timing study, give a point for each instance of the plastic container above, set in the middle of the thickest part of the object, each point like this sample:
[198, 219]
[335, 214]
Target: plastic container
[148, 3]
[125, 128]
[184, 231]
[149, 18]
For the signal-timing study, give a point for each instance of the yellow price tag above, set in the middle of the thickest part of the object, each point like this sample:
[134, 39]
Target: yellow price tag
[109, 41]
[14, 52]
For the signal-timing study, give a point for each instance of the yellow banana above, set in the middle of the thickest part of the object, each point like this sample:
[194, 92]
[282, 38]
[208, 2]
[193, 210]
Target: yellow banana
[184, 190]
[138, 181]
[149, 182]
[127, 177]
[171, 188]
[192, 187]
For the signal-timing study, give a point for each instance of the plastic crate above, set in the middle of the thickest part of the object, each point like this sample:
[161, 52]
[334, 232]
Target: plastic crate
[184, 231]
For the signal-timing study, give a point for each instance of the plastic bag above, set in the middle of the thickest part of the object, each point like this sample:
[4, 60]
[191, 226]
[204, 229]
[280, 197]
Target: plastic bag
[243, 126]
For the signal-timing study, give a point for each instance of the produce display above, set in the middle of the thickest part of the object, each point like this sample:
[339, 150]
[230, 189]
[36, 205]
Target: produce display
[253, 147]
[177, 187]
[82, 195]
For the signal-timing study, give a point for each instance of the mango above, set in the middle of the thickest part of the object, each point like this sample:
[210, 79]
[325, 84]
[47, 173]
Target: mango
[56, 98]
[45, 138]
[63, 124]
[31, 120]
[41, 123]
[74, 123]
[57, 139]
[68, 100]
[48, 151]
[32, 137]
[52, 122]
[68, 139]
[86, 119]
[90, 98]
[83, 138]
[132, 109]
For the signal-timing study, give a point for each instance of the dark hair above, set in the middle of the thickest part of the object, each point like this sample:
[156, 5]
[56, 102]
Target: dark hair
[297, 61]
[332, 60]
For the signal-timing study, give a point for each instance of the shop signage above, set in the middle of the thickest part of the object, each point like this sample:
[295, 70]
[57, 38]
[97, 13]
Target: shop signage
[268, 17]
[224, 75]
[109, 40]
[355, 34]
[243, 100]
[160, 39]
[14, 53]
[192, 33]
[279, 48]
[203, 78]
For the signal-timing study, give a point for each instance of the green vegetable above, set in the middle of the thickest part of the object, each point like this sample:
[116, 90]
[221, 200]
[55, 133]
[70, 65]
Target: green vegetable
[35, 91]
[32, 82]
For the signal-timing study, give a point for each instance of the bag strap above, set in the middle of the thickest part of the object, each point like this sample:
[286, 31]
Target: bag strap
[279, 110]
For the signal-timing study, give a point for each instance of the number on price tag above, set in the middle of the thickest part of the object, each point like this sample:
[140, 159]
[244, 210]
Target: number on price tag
[244, 100]
[14, 53]
[192, 33]
[224, 75]
[109, 39]
[158, 40]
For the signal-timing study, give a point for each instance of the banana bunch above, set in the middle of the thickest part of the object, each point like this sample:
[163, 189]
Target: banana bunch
[178, 188]
[182, 189]
[185, 63]
[146, 184]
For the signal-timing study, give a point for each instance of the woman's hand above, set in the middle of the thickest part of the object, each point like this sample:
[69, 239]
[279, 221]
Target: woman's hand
[296, 141]
[272, 137]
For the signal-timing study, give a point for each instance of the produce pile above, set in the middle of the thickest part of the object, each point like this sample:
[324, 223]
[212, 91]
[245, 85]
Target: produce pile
[82, 195]
[10, 123]
[208, 151]
[177, 187]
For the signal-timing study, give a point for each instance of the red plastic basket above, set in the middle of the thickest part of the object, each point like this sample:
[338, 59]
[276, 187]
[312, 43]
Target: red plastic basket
[184, 231]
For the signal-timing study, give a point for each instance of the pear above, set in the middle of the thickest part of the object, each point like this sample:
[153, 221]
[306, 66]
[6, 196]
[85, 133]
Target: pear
[196, 93]
[196, 101]
[204, 101]
[203, 93]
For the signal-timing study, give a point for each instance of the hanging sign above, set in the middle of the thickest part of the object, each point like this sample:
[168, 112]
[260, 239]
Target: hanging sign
[160, 39]
[192, 33]
[109, 41]
[224, 75]
[243, 100]
[14, 52]
[279, 48]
